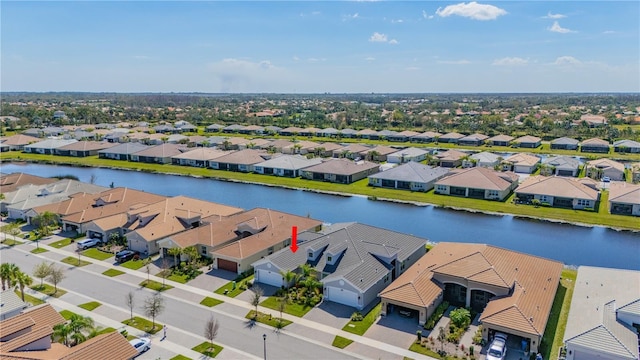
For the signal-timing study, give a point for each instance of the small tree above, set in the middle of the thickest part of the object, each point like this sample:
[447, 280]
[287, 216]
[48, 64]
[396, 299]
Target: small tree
[175, 252]
[165, 270]
[255, 298]
[153, 306]
[42, 270]
[282, 304]
[442, 336]
[7, 270]
[130, 299]
[56, 276]
[460, 317]
[21, 280]
[211, 329]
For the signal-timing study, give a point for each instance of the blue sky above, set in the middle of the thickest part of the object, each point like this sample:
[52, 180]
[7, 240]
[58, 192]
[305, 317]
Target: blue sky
[327, 46]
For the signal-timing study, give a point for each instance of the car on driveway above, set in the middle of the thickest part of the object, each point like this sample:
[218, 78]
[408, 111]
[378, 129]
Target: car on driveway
[88, 243]
[606, 179]
[498, 348]
[141, 344]
[125, 255]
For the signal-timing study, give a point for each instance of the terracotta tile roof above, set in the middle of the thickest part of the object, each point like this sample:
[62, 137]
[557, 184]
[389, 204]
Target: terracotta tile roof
[243, 157]
[527, 139]
[522, 159]
[342, 167]
[479, 178]
[606, 164]
[451, 155]
[623, 192]
[112, 346]
[88, 146]
[12, 182]
[501, 137]
[37, 332]
[44, 315]
[595, 142]
[557, 186]
[19, 139]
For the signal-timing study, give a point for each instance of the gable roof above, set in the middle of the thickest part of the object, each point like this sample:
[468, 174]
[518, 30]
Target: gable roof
[111, 346]
[412, 171]
[11, 182]
[479, 178]
[563, 162]
[557, 186]
[605, 163]
[486, 157]
[125, 149]
[627, 143]
[623, 192]
[50, 144]
[474, 137]
[20, 139]
[451, 155]
[451, 135]
[87, 146]
[595, 142]
[201, 153]
[522, 159]
[565, 141]
[342, 167]
[410, 151]
[10, 301]
[527, 139]
[39, 316]
[501, 137]
[243, 157]
[163, 150]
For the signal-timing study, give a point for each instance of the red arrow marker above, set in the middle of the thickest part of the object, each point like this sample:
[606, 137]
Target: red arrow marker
[294, 239]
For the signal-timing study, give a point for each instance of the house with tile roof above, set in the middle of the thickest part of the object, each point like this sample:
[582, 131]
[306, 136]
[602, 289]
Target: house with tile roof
[242, 160]
[327, 149]
[11, 182]
[521, 163]
[410, 154]
[159, 154]
[350, 151]
[10, 304]
[451, 158]
[451, 138]
[402, 136]
[348, 133]
[47, 146]
[83, 148]
[500, 140]
[557, 191]
[560, 166]
[411, 176]
[378, 153]
[341, 171]
[604, 309]
[473, 140]
[483, 159]
[19, 141]
[285, 165]
[477, 182]
[290, 131]
[198, 157]
[626, 146]
[214, 128]
[595, 145]
[368, 134]
[328, 132]
[234, 242]
[597, 169]
[353, 261]
[528, 141]
[564, 143]
[300, 147]
[426, 137]
[512, 291]
[122, 151]
[624, 198]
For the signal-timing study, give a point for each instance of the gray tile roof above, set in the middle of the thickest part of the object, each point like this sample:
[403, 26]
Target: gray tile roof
[126, 148]
[289, 162]
[414, 172]
[563, 162]
[360, 263]
[564, 141]
[410, 152]
[342, 167]
[10, 302]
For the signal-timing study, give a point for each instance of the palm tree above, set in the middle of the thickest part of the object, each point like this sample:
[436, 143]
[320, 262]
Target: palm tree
[175, 252]
[306, 270]
[192, 253]
[62, 332]
[22, 280]
[288, 276]
[7, 270]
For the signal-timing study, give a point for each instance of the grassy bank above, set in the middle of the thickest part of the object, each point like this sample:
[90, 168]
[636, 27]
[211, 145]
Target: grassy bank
[361, 187]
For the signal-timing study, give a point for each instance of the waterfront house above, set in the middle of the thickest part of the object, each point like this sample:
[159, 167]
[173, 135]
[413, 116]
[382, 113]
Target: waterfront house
[214, 128]
[521, 163]
[560, 192]
[378, 153]
[47, 146]
[451, 158]
[602, 316]
[451, 137]
[402, 136]
[342, 171]
[626, 146]
[122, 151]
[328, 132]
[595, 145]
[410, 176]
[426, 137]
[564, 143]
[512, 291]
[353, 261]
[483, 159]
[198, 157]
[11, 182]
[236, 241]
[348, 133]
[500, 140]
[285, 165]
[560, 166]
[597, 169]
[290, 131]
[473, 140]
[159, 154]
[83, 148]
[477, 182]
[407, 155]
[19, 141]
[528, 141]
[368, 134]
[624, 198]
[242, 161]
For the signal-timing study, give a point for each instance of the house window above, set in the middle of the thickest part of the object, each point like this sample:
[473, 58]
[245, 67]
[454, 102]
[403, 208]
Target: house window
[493, 193]
[442, 187]
[583, 202]
[310, 255]
[270, 251]
[203, 250]
[543, 198]
[328, 258]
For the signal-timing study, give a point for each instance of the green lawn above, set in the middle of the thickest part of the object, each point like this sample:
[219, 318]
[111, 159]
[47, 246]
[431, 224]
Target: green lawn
[267, 319]
[415, 347]
[61, 243]
[30, 299]
[97, 254]
[155, 285]
[229, 287]
[72, 260]
[291, 308]
[49, 290]
[133, 264]
[90, 306]
[361, 327]
[182, 279]
[210, 302]
[11, 242]
[341, 342]
[557, 322]
[180, 357]
[106, 330]
[208, 349]
[143, 325]
[38, 250]
[66, 314]
[112, 272]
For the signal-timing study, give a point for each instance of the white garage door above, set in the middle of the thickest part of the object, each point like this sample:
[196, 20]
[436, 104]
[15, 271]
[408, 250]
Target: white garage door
[342, 296]
[269, 277]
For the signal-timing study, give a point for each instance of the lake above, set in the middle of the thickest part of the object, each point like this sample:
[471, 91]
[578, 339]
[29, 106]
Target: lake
[570, 244]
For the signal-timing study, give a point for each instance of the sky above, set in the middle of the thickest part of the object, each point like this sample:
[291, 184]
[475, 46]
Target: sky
[320, 46]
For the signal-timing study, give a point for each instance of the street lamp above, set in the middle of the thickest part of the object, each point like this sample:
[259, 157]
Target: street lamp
[264, 338]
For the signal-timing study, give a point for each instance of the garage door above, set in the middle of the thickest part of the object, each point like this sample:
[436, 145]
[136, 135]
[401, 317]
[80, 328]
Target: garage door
[269, 277]
[565, 173]
[228, 265]
[581, 355]
[342, 296]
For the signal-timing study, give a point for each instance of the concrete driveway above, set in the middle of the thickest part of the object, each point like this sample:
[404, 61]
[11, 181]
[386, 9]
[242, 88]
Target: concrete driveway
[331, 314]
[394, 329]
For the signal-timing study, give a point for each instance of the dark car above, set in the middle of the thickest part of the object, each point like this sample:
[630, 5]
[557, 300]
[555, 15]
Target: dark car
[125, 255]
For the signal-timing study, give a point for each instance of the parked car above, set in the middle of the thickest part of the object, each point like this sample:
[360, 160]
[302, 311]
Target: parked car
[606, 179]
[88, 243]
[498, 348]
[125, 255]
[141, 344]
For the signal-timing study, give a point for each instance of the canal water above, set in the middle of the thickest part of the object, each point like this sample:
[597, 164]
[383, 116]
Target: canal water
[572, 245]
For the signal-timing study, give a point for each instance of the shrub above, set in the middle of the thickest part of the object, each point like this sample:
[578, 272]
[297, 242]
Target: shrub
[437, 314]
[460, 317]
[477, 337]
[357, 316]
[471, 348]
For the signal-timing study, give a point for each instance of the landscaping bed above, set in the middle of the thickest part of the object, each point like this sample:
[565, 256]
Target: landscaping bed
[208, 349]
[359, 327]
[143, 325]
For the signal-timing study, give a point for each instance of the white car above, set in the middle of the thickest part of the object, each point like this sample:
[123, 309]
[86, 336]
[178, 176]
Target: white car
[141, 344]
[498, 348]
[88, 243]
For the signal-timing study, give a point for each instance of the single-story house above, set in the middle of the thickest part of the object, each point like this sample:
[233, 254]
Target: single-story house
[83, 148]
[19, 141]
[556, 191]
[350, 151]
[500, 140]
[47, 146]
[564, 143]
[290, 131]
[626, 146]
[252, 129]
[285, 165]
[595, 145]
[327, 149]
[214, 128]
[122, 151]
[378, 153]
[426, 137]
[512, 291]
[242, 161]
[11, 182]
[385, 134]
[198, 157]
[276, 145]
[624, 199]
[160, 154]
[591, 120]
[10, 304]
[477, 182]
[310, 131]
[368, 134]
[451, 137]
[604, 310]
[328, 132]
[300, 147]
[410, 176]
[528, 141]
[342, 171]
[521, 163]
[473, 140]
[483, 159]
[272, 129]
[402, 136]
[353, 261]
[348, 133]
[235, 242]
[597, 169]
[451, 158]
[407, 155]
[234, 143]
[560, 166]
[233, 128]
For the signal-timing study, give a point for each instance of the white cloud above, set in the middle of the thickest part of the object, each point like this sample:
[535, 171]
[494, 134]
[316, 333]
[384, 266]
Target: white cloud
[554, 16]
[370, 58]
[454, 62]
[393, 41]
[315, 60]
[567, 60]
[350, 17]
[398, 21]
[238, 74]
[472, 10]
[425, 15]
[559, 29]
[510, 61]
[377, 37]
